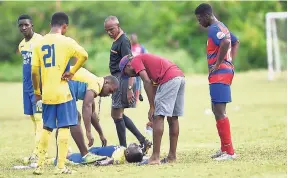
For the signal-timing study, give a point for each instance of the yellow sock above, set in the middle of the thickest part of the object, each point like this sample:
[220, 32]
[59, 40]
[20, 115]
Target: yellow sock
[43, 146]
[62, 143]
[39, 127]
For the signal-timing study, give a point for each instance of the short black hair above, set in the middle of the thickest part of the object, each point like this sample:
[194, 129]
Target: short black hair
[59, 18]
[25, 16]
[203, 9]
[114, 81]
[133, 155]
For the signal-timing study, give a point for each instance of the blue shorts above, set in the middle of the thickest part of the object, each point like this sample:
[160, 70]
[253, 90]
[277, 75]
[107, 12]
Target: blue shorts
[77, 89]
[60, 115]
[220, 93]
[101, 151]
[29, 103]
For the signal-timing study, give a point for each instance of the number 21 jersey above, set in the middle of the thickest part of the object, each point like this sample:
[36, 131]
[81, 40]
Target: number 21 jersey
[52, 55]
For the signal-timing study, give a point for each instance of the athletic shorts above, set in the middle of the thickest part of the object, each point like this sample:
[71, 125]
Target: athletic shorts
[29, 103]
[220, 93]
[77, 89]
[60, 115]
[169, 98]
[119, 97]
[101, 151]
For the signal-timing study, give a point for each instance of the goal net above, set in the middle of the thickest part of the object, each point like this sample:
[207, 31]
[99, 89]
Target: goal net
[276, 40]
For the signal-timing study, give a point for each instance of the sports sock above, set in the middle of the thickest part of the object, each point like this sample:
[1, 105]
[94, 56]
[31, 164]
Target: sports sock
[43, 146]
[121, 131]
[130, 126]
[33, 120]
[223, 126]
[38, 130]
[62, 143]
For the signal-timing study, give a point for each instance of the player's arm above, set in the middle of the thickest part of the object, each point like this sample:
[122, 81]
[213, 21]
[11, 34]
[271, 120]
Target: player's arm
[36, 72]
[96, 124]
[234, 45]
[126, 50]
[80, 54]
[87, 113]
[149, 87]
[106, 162]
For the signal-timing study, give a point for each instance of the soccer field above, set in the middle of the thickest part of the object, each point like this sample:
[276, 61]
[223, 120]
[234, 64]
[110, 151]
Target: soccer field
[258, 123]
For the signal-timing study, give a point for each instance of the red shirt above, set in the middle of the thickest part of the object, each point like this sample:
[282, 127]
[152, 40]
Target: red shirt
[159, 69]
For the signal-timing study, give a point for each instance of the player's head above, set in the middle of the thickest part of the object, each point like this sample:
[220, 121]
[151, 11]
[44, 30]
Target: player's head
[134, 38]
[125, 66]
[204, 14]
[112, 26]
[133, 153]
[111, 84]
[25, 25]
[60, 20]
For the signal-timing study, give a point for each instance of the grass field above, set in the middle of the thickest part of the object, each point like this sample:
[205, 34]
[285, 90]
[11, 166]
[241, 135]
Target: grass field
[257, 116]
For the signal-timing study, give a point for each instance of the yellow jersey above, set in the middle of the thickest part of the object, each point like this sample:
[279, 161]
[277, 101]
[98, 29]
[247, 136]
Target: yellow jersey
[52, 55]
[26, 48]
[119, 155]
[93, 82]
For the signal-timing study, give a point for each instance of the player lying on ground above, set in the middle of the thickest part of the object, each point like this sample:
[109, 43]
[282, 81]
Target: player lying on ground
[52, 55]
[25, 26]
[86, 86]
[221, 45]
[113, 155]
[166, 99]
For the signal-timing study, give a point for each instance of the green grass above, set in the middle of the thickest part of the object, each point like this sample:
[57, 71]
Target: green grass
[258, 122]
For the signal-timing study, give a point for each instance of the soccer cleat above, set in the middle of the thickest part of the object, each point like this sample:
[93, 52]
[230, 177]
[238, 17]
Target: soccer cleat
[91, 158]
[146, 145]
[64, 170]
[217, 154]
[38, 171]
[225, 156]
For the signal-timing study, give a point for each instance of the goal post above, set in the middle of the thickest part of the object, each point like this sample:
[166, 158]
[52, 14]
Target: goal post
[273, 51]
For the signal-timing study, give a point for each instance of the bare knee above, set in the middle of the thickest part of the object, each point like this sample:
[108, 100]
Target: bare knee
[116, 113]
[219, 110]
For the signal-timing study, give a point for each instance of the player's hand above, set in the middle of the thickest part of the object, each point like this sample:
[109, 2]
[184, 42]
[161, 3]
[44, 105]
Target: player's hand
[149, 124]
[214, 68]
[130, 97]
[37, 98]
[103, 140]
[90, 138]
[67, 76]
[151, 114]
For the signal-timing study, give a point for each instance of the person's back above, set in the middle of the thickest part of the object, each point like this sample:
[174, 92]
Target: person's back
[55, 47]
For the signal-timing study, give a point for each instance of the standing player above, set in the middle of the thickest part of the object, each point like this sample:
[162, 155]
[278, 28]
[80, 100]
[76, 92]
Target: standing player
[164, 84]
[25, 26]
[221, 72]
[124, 96]
[136, 49]
[52, 56]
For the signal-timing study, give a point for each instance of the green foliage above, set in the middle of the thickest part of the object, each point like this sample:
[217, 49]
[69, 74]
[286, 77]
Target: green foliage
[165, 28]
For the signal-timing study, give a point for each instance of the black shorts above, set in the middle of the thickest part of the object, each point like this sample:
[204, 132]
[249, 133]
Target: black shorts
[119, 97]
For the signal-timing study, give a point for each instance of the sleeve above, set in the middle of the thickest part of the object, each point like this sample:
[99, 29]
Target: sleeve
[137, 64]
[94, 85]
[234, 39]
[216, 35]
[77, 50]
[125, 48]
[35, 57]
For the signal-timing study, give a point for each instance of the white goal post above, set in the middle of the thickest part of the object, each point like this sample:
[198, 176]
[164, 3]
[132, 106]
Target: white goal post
[273, 52]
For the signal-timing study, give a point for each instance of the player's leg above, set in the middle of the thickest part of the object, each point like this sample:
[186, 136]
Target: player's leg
[117, 114]
[67, 116]
[178, 110]
[38, 121]
[49, 123]
[78, 137]
[220, 95]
